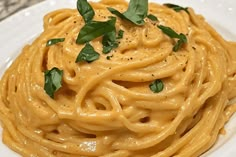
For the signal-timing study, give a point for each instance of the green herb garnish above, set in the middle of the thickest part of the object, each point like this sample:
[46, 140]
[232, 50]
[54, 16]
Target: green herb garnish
[136, 12]
[54, 41]
[152, 17]
[168, 31]
[177, 8]
[156, 86]
[180, 42]
[85, 10]
[93, 30]
[109, 39]
[172, 34]
[120, 34]
[87, 54]
[109, 42]
[53, 81]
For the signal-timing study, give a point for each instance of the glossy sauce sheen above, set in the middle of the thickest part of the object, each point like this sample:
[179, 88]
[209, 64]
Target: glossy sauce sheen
[105, 108]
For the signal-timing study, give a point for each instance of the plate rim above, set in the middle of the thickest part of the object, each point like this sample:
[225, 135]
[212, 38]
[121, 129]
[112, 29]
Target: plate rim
[47, 3]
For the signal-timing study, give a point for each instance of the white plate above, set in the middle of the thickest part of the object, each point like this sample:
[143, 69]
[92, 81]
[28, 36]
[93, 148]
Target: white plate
[24, 26]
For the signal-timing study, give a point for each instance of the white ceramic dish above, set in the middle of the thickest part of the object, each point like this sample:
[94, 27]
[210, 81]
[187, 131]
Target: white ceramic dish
[21, 28]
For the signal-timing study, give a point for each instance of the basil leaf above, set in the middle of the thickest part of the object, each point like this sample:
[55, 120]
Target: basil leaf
[168, 31]
[85, 10]
[53, 81]
[178, 45]
[152, 17]
[136, 12]
[156, 86]
[177, 8]
[120, 34]
[54, 41]
[117, 13]
[109, 42]
[93, 30]
[180, 42]
[87, 54]
[172, 34]
[109, 39]
[183, 37]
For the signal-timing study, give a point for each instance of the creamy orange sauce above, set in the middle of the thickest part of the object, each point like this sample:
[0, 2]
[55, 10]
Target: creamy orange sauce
[105, 108]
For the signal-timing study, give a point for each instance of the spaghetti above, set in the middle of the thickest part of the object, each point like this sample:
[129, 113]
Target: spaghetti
[106, 108]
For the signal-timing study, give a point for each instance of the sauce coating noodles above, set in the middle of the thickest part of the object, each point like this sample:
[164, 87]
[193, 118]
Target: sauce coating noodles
[105, 108]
